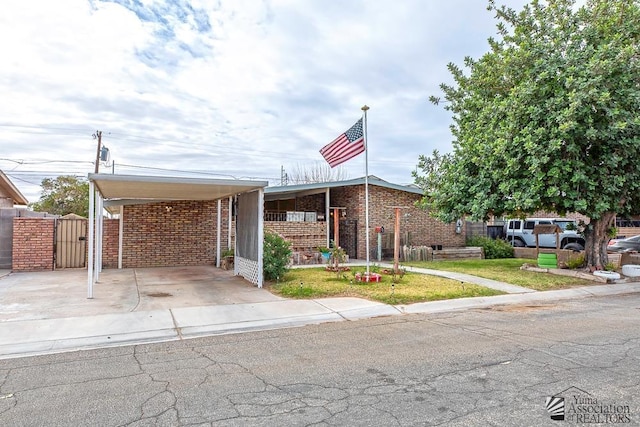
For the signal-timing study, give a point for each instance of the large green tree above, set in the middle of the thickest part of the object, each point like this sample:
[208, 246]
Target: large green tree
[63, 195]
[548, 118]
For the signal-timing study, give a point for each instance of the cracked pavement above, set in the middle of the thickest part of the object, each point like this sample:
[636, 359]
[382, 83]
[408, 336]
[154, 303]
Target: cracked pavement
[488, 367]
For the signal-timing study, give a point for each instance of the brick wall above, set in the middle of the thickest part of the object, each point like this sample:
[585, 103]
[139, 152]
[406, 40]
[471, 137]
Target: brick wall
[312, 203]
[415, 223]
[304, 236]
[177, 233]
[570, 215]
[110, 243]
[167, 234]
[33, 243]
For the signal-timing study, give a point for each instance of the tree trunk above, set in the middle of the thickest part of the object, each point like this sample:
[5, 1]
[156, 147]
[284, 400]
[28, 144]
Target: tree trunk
[596, 235]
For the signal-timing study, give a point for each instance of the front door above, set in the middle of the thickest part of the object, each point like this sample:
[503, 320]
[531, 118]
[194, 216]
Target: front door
[348, 236]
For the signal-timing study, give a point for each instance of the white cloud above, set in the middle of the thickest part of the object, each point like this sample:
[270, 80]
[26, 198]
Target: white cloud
[229, 87]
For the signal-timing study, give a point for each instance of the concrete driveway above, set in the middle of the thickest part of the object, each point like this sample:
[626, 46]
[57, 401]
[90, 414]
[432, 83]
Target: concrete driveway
[63, 293]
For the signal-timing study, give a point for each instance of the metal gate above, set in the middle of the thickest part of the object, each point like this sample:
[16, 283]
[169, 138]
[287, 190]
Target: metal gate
[71, 243]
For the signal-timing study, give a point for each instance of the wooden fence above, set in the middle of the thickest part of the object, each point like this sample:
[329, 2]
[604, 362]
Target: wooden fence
[426, 253]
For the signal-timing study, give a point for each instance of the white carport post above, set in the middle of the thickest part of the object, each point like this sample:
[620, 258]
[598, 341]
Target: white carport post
[218, 233]
[92, 196]
[260, 236]
[99, 224]
[120, 235]
[229, 222]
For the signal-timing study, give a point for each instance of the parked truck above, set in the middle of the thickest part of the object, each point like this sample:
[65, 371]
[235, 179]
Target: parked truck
[519, 232]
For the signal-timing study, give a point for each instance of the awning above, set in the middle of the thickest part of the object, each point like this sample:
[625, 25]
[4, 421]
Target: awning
[132, 189]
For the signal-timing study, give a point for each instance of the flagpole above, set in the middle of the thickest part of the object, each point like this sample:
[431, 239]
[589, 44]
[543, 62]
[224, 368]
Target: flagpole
[366, 183]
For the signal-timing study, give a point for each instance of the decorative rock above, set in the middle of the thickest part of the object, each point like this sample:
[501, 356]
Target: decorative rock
[610, 275]
[631, 270]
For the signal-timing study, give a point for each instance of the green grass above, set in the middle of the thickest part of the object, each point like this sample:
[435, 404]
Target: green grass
[412, 288]
[505, 270]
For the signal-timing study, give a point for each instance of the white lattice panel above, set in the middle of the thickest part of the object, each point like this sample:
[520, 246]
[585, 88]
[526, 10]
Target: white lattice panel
[248, 269]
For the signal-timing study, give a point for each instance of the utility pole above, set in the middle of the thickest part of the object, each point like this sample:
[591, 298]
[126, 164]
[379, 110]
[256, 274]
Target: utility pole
[98, 136]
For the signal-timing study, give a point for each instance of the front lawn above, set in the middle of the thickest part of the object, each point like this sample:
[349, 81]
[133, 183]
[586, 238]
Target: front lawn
[412, 287]
[505, 270]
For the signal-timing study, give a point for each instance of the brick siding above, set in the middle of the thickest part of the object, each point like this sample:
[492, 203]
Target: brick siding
[416, 225]
[110, 243]
[304, 236]
[33, 244]
[178, 233]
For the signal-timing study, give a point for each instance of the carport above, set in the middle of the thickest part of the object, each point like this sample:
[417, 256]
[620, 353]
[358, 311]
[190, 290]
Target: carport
[116, 191]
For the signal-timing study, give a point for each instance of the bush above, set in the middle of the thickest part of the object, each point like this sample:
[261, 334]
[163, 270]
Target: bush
[493, 249]
[277, 251]
[577, 262]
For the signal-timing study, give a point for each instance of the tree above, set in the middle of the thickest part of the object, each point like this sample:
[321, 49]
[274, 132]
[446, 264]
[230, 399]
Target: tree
[63, 195]
[548, 119]
[317, 172]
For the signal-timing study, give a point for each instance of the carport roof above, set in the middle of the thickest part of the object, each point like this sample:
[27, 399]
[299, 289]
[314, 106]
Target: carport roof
[126, 189]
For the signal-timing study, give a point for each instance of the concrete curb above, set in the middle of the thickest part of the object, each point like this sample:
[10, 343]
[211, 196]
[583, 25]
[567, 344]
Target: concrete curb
[34, 337]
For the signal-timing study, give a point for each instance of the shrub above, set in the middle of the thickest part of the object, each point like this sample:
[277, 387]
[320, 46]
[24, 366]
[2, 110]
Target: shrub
[577, 262]
[277, 251]
[493, 248]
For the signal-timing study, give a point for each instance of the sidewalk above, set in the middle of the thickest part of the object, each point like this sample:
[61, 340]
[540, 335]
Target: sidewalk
[32, 337]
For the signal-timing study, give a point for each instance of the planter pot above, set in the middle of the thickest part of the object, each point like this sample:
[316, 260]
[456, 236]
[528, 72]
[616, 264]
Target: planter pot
[372, 277]
[227, 263]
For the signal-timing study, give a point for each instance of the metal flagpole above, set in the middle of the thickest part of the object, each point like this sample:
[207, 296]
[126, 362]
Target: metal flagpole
[366, 183]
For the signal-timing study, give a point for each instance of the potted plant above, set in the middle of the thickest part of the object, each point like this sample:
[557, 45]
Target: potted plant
[227, 259]
[325, 252]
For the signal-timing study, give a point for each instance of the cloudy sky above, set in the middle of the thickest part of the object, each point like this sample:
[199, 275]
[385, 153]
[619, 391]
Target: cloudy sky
[227, 88]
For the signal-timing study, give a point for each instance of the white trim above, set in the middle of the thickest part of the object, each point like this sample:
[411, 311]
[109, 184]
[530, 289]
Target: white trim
[120, 236]
[99, 233]
[92, 192]
[218, 233]
[260, 237]
[327, 214]
[230, 209]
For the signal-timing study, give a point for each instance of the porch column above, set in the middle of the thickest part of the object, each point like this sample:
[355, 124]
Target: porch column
[120, 235]
[92, 196]
[218, 232]
[260, 236]
[327, 202]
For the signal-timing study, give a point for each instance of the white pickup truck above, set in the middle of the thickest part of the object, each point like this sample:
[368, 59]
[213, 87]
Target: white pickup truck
[519, 232]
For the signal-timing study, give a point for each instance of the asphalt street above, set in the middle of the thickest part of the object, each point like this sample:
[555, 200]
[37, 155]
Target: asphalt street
[495, 366]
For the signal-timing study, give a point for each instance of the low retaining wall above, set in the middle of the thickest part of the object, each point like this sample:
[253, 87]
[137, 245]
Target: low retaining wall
[459, 253]
[564, 255]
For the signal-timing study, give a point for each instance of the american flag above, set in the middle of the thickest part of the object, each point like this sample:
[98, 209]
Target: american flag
[345, 147]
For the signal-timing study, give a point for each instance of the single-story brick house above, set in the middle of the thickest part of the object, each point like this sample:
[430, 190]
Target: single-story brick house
[304, 215]
[164, 221]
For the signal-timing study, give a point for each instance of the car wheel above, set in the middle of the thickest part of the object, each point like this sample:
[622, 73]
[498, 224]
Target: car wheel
[517, 243]
[577, 247]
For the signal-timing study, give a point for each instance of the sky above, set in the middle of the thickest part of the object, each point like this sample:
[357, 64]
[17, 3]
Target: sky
[236, 89]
